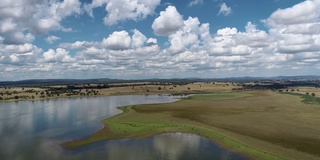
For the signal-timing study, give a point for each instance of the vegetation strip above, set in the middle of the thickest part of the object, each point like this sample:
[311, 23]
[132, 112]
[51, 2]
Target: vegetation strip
[306, 98]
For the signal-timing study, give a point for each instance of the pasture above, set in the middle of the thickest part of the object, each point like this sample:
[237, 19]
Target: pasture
[259, 124]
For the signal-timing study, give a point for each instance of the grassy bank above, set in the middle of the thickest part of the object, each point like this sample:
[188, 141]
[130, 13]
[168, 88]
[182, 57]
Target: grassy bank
[306, 98]
[259, 124]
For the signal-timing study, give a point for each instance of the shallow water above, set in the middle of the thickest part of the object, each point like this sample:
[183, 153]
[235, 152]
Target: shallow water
[34, 130]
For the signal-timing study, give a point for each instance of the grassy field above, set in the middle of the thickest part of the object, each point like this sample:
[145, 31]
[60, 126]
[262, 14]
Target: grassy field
[306, 98]
[258, 124]
[19, 93]
[304, 90]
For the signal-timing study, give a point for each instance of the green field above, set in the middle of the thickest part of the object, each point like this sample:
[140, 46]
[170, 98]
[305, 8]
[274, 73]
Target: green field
[306, 98]
[258, 124]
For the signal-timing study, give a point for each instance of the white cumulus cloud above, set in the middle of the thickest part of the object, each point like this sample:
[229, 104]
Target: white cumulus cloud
[290, 45]
[121, 10]
[19, 54]
[58, 55]
[296, 28]
[20, 20]
[118, 40]
[138, 39]
[168, 22]
[186, 36]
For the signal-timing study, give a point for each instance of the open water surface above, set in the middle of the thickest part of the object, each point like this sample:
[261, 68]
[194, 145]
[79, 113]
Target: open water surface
[33, 130]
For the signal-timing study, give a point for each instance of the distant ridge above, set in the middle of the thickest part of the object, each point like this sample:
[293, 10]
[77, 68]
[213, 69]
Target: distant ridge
[304, 77]
[43, 82]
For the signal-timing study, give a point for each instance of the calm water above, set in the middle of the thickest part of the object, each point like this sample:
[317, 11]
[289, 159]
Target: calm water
[33, 130]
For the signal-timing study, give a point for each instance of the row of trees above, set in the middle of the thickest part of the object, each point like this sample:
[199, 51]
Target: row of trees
[312, 94]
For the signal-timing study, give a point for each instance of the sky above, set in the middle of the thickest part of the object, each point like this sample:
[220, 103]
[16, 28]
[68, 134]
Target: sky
[139, 39]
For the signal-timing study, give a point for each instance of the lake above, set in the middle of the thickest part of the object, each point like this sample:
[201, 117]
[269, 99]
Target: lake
[33, 130]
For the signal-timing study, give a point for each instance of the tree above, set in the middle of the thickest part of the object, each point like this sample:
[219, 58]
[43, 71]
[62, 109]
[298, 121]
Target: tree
[313, 94]
[1, 98]
[307, 93]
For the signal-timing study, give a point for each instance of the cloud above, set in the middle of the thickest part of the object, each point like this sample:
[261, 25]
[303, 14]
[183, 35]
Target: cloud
[302, 13]
[138, 39]
[224, 9]
[78, 45]
[59, 55]
[119, 40]
[20, 21]
[296, 29]
[193, 48]
[8, 25]
[289, 46]
[122, 10]
[17, 37]
[51, 39]
[186, 36]
[168, 22]
[195, 2]
[19, 54]
[151, 41]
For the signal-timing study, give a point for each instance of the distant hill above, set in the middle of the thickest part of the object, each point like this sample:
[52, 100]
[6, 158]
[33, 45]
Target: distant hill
[47, 82]
[283, 78]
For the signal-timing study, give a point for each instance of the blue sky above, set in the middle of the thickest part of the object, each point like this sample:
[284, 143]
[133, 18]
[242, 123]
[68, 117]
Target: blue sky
[134, 39]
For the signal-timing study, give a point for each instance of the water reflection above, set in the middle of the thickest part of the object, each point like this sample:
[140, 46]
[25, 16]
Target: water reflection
[34, 130]
[183, 146]
[173, 146]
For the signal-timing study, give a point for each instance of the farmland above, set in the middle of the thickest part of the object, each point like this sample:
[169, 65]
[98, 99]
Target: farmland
[260, 124]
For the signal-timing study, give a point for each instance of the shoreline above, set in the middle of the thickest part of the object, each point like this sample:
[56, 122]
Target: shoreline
[147, 120]
[15, 94]
[221, 140]
[124, 94]
[246, 122]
